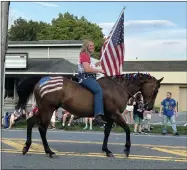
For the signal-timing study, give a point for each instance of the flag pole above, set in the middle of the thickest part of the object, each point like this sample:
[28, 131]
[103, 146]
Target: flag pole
[112, 33]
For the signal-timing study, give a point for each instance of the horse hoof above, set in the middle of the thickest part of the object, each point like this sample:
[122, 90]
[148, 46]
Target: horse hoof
[25, 150]
[51, 154]
[110, 155]
[127, 152]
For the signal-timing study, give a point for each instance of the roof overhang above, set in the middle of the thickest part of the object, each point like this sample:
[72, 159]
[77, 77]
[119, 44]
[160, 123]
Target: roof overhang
[40, 73]
[44, 45]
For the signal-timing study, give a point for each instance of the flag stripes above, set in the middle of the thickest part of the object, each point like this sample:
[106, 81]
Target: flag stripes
[50, 84]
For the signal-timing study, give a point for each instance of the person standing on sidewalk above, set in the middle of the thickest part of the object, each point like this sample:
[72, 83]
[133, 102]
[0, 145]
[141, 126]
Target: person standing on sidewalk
[168, 106]
[138, 113]
[86, 122]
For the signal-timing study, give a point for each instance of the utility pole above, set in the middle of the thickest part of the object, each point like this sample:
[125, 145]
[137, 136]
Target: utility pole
[4, 46]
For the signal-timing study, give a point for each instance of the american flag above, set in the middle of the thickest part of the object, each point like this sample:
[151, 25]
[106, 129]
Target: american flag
[113, 56]
[50, 84]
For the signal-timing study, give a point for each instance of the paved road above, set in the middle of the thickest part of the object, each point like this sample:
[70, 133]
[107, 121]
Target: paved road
[82, 150]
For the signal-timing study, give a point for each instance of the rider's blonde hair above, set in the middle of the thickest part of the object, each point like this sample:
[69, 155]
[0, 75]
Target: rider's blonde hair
[85, 46]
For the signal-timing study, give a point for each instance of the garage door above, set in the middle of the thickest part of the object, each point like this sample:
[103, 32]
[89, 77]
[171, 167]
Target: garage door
[183, 99]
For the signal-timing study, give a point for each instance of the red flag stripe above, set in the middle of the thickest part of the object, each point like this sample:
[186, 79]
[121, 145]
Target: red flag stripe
[113, 58]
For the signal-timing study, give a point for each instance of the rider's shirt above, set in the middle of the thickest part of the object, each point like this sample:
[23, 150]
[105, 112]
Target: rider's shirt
[84, 57]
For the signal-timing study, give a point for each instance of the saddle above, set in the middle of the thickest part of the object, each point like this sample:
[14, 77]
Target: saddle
[82, 76]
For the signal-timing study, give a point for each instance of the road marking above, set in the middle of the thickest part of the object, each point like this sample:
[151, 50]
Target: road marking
[13, 144]
[19, 144]
[99, 143]
[174, 152]
[35, 146]
[100, 155]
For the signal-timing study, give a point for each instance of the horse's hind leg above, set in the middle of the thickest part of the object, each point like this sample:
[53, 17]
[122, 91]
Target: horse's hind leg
[45, 120]
[43, 130]
[107, 131]
[118, 119]
[30, 123]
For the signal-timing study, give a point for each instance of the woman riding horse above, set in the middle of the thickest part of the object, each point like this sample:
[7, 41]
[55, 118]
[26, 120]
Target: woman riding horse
[52, 92]
[88, 79]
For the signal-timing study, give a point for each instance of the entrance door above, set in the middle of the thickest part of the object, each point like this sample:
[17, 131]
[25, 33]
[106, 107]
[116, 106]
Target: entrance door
[183, 99]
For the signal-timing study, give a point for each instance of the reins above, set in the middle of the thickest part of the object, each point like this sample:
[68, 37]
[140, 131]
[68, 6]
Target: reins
[121, 86]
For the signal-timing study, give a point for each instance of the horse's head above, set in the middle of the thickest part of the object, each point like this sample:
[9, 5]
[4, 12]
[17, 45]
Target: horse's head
[133, 82]
[149, 89]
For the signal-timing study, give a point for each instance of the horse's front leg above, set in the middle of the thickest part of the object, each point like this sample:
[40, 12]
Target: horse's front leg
[107, 131]
[118, 119]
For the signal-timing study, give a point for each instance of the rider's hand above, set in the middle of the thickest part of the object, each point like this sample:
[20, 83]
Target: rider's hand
[98, 63]
[102, 71]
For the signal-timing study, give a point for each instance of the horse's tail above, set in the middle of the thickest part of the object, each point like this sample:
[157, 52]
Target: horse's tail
[24, 90]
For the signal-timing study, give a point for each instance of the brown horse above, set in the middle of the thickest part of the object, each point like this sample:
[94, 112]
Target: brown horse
[78, 100]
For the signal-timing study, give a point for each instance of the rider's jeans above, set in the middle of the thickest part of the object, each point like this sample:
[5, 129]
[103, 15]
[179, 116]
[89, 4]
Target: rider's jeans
[95, 88]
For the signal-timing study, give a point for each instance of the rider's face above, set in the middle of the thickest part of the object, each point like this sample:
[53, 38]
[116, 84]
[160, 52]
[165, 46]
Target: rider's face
[91, 47]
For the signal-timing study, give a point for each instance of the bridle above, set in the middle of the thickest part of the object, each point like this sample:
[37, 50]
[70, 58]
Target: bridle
[153, 91]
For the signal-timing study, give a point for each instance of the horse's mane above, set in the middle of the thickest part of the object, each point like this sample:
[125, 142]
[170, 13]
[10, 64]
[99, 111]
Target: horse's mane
[131, 77]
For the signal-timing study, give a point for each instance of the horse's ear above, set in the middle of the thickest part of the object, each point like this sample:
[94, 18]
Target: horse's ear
[158, 81]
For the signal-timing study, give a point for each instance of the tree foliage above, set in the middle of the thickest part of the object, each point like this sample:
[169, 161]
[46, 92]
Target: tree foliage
[65, 27]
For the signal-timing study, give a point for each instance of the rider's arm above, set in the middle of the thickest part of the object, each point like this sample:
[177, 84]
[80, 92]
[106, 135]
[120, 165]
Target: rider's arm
[85, 61]
[87, 68]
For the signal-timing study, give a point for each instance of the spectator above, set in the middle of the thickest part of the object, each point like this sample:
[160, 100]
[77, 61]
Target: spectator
[168, 106]
[129, 110]
[66, 114]
[33, 112]
[53, 119]
[138, 113]
[86, 122]
[56, 115]
[146, 122]
[14, 116]
[5, 119]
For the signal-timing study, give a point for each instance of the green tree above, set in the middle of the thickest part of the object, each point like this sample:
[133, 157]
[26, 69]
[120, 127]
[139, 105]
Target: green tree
[65, 27]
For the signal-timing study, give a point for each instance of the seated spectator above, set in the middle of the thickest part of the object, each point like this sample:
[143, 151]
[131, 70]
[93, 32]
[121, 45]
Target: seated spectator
[5, 119]
[86, 122]
[66, 114]
[15, 116]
